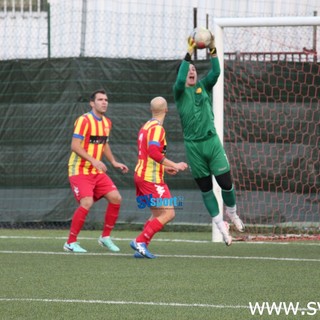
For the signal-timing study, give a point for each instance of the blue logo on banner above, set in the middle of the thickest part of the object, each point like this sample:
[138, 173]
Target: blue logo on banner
[149, 201]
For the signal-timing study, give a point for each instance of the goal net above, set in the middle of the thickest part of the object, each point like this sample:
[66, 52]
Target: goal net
[271, 129]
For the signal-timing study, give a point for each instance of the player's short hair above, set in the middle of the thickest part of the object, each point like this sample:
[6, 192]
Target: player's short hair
[94, 93]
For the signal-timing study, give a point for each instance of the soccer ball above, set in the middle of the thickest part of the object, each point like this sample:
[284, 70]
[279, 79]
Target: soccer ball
[202, 37]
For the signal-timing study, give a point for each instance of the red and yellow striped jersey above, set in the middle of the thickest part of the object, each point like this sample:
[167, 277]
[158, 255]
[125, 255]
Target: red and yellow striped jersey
[151, 134]
[94, 133]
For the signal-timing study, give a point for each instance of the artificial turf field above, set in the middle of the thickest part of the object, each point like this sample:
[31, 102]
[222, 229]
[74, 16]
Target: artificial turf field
[192, 278]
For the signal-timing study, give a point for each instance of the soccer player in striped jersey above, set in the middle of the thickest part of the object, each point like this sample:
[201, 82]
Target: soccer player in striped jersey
[149, 175]
[87, 173]
[205, 153]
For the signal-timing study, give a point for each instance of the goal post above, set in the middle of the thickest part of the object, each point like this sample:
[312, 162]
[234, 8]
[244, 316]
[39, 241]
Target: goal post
[219, 102]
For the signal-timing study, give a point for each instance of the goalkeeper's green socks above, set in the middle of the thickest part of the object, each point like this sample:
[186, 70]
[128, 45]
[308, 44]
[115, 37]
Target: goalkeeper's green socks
[211, 203]
[229, 197]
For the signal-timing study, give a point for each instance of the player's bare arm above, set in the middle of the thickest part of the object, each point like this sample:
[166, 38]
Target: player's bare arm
[109, 155]
[180, 166]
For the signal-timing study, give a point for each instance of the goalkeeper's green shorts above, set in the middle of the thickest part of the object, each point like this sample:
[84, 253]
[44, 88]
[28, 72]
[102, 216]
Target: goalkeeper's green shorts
[207, 157]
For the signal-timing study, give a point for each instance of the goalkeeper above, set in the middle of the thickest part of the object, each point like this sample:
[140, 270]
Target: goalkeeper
[204, 150]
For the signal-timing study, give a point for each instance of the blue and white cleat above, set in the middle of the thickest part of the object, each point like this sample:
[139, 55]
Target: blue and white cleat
[107, 242]
[142, 249]
[73, 247]
[137, 255]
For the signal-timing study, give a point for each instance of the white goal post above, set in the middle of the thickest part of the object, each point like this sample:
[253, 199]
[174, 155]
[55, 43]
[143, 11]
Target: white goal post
[218, 91]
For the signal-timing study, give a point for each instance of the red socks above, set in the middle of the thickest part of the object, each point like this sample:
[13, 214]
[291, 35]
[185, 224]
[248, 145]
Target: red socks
[110, 218]
[144, 227]
[150, 229]
[78, 219]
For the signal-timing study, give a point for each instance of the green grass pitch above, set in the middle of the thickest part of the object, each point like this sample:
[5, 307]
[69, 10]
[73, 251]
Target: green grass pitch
[192, 278]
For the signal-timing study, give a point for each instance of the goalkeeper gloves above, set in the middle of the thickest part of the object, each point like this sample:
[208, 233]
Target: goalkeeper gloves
[212, 46]
[191, 45]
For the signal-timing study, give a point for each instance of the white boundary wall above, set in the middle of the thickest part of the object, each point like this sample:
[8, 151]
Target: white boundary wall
[141, 29]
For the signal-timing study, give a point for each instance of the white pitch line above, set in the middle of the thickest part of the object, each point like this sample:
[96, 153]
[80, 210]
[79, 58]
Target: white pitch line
[145, 303]
[161, 255]
[95, 239]
[172, 304]
[304, 243]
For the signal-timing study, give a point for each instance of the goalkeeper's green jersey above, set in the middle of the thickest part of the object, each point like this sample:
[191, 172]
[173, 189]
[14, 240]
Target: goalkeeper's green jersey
[194, 103]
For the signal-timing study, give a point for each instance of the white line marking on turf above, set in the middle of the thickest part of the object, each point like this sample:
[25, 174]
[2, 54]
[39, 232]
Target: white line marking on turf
[161, 255]
[172, 304]
[302, 243]
[95, 239]
[165, 304]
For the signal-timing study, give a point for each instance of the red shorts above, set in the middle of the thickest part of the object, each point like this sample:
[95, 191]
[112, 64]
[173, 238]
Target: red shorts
[158, 190]
[91, 185]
